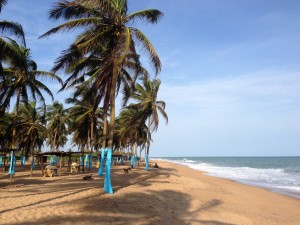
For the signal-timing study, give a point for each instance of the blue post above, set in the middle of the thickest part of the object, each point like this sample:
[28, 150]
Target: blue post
[12, 164]
[100, 172]
[23, 160]
[0, 161]
[91, 161]
[134, 161]
[147, 162]
[33, 163]
[131, 160]
[51, 160]
[86, 160]
[81, 160]
[107, 182]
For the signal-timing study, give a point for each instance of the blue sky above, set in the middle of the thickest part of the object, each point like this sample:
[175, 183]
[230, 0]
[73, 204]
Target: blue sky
[230, 78]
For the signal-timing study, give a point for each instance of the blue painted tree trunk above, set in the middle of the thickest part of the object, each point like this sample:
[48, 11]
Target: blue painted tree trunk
[81, 160]
[147, 162]
[107, 181]
[86, 161]
[100, 172]
[134, 161]
[91, 161]
[51, 160]
[11, 170]
[57, 160]
[1, 161]
[33, 163]
[23, 160]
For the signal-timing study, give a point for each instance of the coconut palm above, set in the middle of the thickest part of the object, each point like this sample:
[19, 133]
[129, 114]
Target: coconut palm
[7, 29]
[20, 82]
[6, 122]
[148, 106]
[85, 118]
[32, 126]
[2, 3]
[58, 123]
[106, 22]
[108, 30]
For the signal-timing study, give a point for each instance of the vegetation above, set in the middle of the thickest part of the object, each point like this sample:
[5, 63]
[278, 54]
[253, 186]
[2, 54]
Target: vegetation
[102, 62]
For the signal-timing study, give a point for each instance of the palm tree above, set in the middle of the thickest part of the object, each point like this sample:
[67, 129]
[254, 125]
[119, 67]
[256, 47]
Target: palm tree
[6, 122]
[85, 117]
[9, 28]
[2, 3]
[148, 105]
[20, 80]
[108, 31]
[58, 123]
[131, 129]
[32, 126]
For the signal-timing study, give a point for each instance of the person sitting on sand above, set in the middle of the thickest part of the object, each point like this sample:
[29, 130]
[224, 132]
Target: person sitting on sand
[74, 167]
[50, 171]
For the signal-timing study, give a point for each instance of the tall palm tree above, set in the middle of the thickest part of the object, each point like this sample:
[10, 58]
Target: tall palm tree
[58, 123]
[146, 96]
[32, 126]
[85, 118]
[108, 30]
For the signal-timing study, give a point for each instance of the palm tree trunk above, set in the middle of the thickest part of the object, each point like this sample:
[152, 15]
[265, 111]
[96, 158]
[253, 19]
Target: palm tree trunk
[148, 136]
[87, 147]
[105, 109]
[148, 146]
[32, 159]
[91, 144]
[107, 181]
[54, 142]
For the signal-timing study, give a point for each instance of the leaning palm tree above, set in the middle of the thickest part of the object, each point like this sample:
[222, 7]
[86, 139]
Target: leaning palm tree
[146, 96]
[58, 123]
[108, 30]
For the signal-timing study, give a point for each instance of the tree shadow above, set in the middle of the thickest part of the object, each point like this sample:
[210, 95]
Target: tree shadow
[93, 206]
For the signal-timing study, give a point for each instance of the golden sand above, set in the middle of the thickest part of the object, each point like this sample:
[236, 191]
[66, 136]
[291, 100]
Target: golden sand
[172, 194]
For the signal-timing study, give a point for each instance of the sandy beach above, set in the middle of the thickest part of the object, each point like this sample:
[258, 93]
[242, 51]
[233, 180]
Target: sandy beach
[172, 194]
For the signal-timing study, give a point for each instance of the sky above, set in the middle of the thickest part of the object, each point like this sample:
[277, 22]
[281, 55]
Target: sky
[230, 75]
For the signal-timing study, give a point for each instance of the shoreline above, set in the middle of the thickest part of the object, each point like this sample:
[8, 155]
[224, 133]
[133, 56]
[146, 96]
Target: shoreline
[172, 194]
[271, 189]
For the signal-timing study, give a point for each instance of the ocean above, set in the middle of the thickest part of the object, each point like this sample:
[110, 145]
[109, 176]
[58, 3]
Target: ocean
[278, 174]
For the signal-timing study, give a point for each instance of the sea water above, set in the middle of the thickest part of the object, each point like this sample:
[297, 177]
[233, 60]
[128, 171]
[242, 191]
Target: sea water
[279, 174]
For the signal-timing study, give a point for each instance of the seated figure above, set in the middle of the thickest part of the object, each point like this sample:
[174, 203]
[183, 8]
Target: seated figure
[74, 167]
[50, 171]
